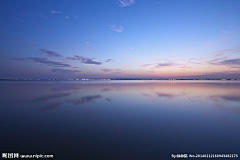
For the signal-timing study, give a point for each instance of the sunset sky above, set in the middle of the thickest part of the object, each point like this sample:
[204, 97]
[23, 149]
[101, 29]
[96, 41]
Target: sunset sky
[120, 39]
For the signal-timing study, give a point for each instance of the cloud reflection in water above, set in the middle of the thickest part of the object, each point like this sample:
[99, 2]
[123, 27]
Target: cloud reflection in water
[84, 99]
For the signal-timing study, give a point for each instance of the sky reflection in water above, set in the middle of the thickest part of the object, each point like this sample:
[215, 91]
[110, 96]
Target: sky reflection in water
[120, 119]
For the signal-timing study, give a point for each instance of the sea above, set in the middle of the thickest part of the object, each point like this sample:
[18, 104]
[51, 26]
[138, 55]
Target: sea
[120, 120]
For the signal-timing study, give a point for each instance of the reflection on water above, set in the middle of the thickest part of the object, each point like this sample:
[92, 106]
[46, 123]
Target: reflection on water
[84, 99]
[49, 97]
[120, 119]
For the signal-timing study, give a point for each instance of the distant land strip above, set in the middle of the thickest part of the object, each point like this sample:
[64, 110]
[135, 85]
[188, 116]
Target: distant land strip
[109, 79]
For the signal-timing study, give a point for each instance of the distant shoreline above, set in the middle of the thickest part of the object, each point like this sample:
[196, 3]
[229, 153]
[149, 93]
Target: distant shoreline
[111, 79]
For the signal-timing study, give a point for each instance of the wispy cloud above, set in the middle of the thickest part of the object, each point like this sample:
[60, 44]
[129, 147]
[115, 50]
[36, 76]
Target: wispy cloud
[125, 3]
[47, 62]
[50, 53]
[163, 64]
[75, 57]
[227, 51]
[85, 60]
[88, 45]
[109, 60]
[65, 71]
[233, 63]
[158, 65]
[90, 61]
[146, 65]
[116, 28]
[116, 71]
[187, 63]
[66, 17]
[106, 70]
[54, 12]
[131, 47]
[28, 43]
[218, 75]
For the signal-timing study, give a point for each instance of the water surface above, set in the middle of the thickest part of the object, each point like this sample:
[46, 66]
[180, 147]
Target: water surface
[120, 120]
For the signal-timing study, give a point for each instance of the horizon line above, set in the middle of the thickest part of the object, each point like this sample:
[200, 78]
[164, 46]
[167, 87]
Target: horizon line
[109, 79]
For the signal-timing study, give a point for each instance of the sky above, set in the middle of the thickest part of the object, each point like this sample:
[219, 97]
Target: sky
[44, 39]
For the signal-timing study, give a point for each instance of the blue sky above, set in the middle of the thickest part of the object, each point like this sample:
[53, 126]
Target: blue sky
[120, 39]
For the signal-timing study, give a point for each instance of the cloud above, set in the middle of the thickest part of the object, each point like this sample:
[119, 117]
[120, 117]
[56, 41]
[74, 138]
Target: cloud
[75, 58]
[50, 53]
[90, 61]
[47, 62]
[163, 64]
[65, 71]
[53, 12]
[117, 71]
[227, 51]
[88, 45]
[125, 3]
[116, 28]
[146, 65]
[230, 62]
[109, 60]
[84, 99]
[217, 75]
[28, 43]
[85, 60]
[131, 47]
[106, 70]
[67, 17]
[158, 65]
[187, 62]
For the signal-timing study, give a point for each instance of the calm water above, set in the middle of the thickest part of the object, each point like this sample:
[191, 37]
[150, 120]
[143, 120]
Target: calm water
[120, 120]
